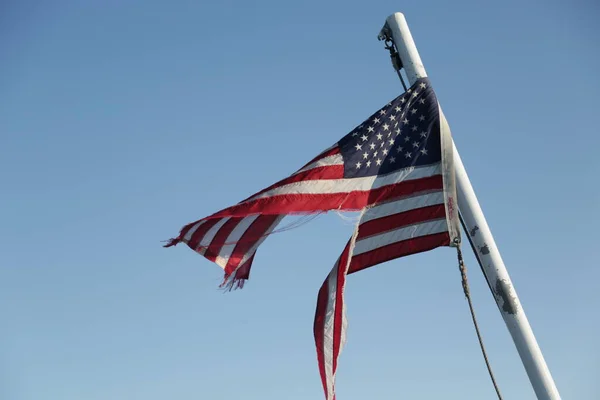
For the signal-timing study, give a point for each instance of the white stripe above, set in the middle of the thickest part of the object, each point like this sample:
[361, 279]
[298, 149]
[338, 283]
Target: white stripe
[335, 159]
[232, 239]
[210, 235]
[190, 233]
[404, 204]
[400, 234]
[346, 185]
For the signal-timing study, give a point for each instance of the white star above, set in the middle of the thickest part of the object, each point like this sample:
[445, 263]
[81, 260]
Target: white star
[386, 127]
[406, 138]
[409, 90]
[405, 121]
[415, 94]
[374, 154]
[392, 141]
[407, 155]
[424, 151]
[423, 85]
[396, 124]
[414, 128]
[421, 118]
[378, 161]
[422, 101]
[354, 134]
[358, 164]
[399, 149]
[423, 134]
[379, 136]
[376, 120]
[415, 144]
[397, 109]
[385, 152]
[392, 117]
[392, 159]
[382, 112]
[403, 100]
[364, 137]
[414, 110]
[381, 144]
[398, 131]
[372, 145]
[365, 155]
[358, 146]
[368, 163]
[370, 129]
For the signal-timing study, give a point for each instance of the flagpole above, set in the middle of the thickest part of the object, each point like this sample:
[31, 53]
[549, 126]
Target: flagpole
[480, 235]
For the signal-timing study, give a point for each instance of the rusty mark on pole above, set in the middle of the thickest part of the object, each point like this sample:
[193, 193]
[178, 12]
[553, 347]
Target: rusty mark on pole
[484, 249]
[474, 231]
[502, 290]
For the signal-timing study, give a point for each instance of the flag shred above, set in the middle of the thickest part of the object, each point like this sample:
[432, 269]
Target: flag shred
[396, 168]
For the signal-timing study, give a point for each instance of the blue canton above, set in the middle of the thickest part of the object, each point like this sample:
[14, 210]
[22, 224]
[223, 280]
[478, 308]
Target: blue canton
[404, 133]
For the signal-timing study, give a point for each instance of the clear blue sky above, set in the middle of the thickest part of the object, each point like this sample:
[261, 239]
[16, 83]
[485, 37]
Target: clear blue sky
[120, 121]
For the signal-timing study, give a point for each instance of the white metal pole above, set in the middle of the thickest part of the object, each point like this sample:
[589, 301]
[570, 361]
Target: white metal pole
[481, 237]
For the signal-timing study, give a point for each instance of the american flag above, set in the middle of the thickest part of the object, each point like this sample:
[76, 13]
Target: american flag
[396, 168]
[396, 152]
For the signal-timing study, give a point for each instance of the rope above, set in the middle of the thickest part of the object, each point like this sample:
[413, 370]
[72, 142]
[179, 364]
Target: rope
[395, 57]
[465, 284]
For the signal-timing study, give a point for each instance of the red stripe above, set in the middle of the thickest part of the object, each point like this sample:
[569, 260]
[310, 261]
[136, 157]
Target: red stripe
[184, 231]
[319, 329]
[215, 246]
[339, 274]
[398, 249]
[395, 221]
[308, 203]
[326, 153]
[243, 271]
[200, 232]
[318, 173]
[339, 305]
[252, 234]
